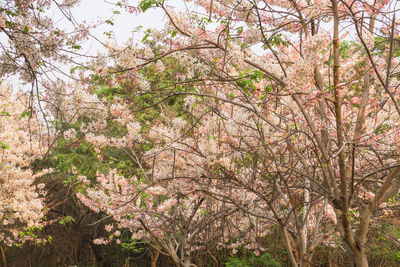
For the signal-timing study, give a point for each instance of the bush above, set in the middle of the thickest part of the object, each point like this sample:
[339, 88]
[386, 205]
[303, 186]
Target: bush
[264, 260]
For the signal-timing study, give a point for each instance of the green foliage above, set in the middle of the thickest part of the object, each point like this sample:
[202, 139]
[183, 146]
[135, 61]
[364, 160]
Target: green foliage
[147, 34]
[384, 243]
[110, 22]
[67, 219]
[4, 145]
[132, 247]
[4, 113]
[381, 128]
[264, 260]
[77, 153]
[73, 69]
[345, 48]
[77, 47]
[146, 4]
[397, 256]
[276, 41]
[381, 44]
[247, 80]
[26, 113]
[31, 232]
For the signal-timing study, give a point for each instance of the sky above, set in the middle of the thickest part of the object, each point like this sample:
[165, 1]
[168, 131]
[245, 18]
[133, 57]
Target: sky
[125, 23]
[95, 11]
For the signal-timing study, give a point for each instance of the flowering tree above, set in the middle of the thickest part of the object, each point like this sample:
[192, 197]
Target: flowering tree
[35, 42]
[20, 197]
[322, 108]
[163, 205]
[40, 40]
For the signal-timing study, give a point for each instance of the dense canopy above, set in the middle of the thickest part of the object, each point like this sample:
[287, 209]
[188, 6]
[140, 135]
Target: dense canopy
[239, 132]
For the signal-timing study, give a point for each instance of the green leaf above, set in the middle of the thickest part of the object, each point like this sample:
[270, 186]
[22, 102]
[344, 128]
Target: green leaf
[77, 47]
[110, 22]
[12, 14]
[146, 4]
[26, 113]
[145, 37]
[66, 219]
[268, 88]
[73, 69]
[4, 145]
[173, 34]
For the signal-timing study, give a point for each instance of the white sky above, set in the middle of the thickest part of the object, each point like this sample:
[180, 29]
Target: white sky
[93, 11]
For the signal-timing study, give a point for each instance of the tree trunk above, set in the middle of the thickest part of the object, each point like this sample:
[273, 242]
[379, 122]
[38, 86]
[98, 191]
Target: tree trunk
[356, 253]
[308, 259]
[3, 256]
[154, 258]
[176, 260]
[361, 258]
[201, 261]
[187, 263]
[185, 254]
[289, 247]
